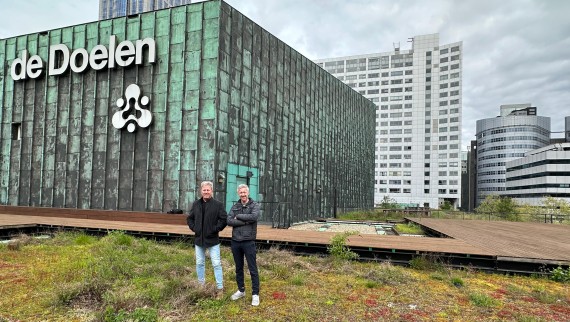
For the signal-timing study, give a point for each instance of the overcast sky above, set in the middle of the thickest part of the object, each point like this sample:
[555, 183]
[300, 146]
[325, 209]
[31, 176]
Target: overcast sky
[514, 51]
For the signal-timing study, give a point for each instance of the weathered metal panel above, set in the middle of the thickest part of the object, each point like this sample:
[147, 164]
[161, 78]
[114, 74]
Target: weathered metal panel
[306, 132]
[222, 91]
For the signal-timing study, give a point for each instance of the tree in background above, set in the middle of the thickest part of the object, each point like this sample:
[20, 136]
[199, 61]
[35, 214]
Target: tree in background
[503, 207]
[548, 206]
[389, 203]
[555, 206]
[446, 205]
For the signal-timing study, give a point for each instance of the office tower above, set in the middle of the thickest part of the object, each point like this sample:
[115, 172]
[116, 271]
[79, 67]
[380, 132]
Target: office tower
[465, 179]
[116, 8]
[507, 137]
[417, 93]
[540, 173]
[472, 177]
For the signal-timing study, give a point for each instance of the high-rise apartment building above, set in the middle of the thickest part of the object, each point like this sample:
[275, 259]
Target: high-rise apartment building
[501, 139]
[417, 93]
[117, 8]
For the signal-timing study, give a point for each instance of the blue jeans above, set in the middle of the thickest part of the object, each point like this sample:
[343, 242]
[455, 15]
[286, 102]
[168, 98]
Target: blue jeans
[216, 263]
[247, 249]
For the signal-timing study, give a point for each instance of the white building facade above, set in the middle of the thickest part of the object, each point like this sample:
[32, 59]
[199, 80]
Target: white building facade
[418, 118]
[505, 138]
[542, 172]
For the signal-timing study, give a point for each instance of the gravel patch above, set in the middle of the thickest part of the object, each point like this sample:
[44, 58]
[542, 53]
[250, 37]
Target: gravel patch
[336, 228]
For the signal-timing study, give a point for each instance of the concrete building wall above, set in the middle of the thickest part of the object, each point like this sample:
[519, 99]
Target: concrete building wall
[230, 103]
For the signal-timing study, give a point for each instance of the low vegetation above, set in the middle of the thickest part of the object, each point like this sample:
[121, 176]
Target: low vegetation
[338, 248]
[409, 228]
[76, 277]
[493, 208]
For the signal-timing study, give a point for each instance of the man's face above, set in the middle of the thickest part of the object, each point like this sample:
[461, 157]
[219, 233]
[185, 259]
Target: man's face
[243, 194]
[206, 192]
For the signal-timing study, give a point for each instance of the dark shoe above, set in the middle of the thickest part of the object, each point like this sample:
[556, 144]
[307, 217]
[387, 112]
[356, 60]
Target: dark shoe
[219, 294]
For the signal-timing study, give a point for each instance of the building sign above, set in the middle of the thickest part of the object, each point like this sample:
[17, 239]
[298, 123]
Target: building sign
[61, 59]
[131, 107]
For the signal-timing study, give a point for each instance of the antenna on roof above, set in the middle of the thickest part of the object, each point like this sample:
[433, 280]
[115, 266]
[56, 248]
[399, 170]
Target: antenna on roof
[396, 46]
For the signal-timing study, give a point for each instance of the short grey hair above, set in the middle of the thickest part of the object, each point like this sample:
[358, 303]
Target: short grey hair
[207, 183]
[243, 186]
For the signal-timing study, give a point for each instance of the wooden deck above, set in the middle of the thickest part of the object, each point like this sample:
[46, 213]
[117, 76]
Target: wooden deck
[514, 240]
[522, 242]
[265, 234]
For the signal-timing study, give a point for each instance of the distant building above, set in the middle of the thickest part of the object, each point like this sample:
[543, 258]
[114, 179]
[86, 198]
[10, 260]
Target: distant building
[542, 172]
[418, 117]
[505, 138]
[119, 8]
[464, 179]
[471, 195]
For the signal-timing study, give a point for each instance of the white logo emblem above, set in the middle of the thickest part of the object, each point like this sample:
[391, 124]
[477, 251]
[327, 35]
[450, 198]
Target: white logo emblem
[130, 109]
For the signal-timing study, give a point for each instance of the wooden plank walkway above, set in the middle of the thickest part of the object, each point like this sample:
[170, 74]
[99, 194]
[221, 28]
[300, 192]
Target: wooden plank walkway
[265, 234]
[515, 240]
[523, 242]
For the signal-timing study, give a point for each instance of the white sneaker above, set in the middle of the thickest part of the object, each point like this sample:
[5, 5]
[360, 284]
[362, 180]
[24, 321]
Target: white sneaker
[255, 300]
[237, 295]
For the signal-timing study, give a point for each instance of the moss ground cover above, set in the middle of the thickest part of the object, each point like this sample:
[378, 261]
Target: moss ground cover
[75, 277]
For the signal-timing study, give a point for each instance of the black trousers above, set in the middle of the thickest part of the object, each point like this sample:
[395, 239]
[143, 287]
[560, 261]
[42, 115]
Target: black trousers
[241, 249]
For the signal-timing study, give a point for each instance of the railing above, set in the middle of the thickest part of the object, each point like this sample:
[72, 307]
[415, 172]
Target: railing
[545, 218]
[379, 214]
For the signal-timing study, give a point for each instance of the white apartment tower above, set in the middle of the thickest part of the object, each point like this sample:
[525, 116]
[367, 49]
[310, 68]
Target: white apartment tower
[418, 118]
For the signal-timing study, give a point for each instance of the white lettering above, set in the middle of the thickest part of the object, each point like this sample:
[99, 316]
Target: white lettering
[18, 68]
[23, 67]
[53, 56]
[84, 60]
[124, 54]
[61, 59]
[35, 66]
[98, 57]
[151, 45]
[112, 51]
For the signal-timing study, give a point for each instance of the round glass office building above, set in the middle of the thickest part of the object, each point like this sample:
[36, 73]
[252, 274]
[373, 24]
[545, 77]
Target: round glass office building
[503, 139]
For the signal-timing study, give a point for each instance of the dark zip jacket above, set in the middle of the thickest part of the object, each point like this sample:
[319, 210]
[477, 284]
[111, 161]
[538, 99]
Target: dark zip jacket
[243, 219]
[206, 220]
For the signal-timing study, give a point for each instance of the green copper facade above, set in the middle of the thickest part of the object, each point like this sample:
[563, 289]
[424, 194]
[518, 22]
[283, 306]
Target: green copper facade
[230, 103]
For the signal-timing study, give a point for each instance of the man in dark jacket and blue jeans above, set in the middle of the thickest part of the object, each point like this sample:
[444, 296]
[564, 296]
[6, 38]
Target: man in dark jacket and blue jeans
[206, 219]
[243, 218]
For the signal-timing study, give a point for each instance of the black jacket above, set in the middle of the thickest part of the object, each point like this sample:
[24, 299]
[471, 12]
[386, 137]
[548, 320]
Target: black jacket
[243, 219]
[206, 220]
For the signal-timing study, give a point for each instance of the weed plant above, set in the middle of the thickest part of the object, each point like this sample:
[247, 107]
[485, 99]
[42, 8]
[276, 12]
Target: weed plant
[338, 248]
[483, 300]
[560, 274]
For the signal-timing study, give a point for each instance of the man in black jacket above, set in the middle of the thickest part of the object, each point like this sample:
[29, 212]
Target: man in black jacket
[206, 219]
[243, 218]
